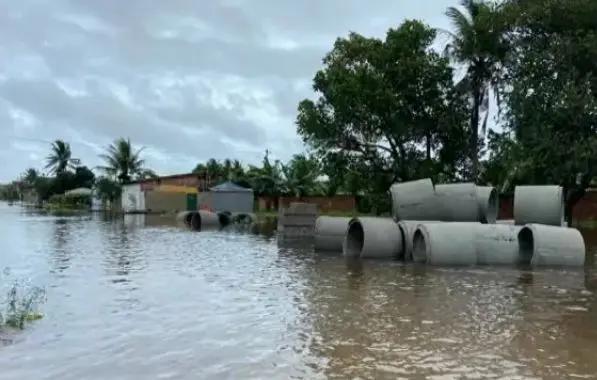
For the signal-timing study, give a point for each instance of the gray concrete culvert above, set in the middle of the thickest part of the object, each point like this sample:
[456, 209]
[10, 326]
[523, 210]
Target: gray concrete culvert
[414, 200]
[372, 238]
[225, 218]
[497, 244]
[449, 244]
[488, 203]
[539, 204]
[551, 246]
[205, 220]
[330, 233]
[184, 218]
[457, 202]
[407, 230]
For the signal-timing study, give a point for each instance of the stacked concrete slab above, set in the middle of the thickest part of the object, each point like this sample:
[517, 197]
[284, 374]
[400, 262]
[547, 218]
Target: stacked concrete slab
[297, 222]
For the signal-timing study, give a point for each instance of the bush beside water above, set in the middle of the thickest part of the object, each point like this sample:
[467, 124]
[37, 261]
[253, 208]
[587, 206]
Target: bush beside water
[21, 305]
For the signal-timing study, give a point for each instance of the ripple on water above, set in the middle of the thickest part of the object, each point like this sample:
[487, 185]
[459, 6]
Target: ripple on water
[130, 299]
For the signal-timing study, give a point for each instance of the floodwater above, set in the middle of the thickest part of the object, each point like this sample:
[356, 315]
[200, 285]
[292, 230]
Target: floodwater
[141, 299]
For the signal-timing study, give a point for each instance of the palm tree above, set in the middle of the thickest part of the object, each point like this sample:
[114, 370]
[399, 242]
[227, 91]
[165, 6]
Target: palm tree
[30, 177]
[60, 159]
[123, 162]
[477, 42]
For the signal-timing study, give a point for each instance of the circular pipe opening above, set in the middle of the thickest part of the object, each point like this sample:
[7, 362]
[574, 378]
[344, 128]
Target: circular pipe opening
[224, 218]
[419, 247]
[188, 219]
[196, 221]
[526, 246]
[492, 207]
[355, 239]
[403, 235]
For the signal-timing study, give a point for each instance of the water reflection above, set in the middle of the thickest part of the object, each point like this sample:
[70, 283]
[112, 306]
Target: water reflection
[61, 258]
[145, 300]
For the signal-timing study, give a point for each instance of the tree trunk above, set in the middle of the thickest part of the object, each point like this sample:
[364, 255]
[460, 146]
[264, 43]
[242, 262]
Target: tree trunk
[428, 145]
[475, 134]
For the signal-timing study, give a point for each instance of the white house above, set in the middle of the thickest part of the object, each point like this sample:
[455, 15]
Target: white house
[133, 198]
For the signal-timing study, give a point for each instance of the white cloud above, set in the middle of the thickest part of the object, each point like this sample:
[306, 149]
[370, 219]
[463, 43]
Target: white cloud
[188, 80]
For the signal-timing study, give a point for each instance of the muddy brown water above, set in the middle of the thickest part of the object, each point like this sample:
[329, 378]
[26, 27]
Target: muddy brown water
[141, 299]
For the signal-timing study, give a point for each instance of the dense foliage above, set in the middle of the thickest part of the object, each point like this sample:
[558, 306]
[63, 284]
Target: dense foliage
[394, 109]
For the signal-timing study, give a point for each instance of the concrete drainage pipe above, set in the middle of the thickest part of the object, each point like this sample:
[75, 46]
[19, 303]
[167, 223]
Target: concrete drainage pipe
[372, 238]
[488, 203]
[414, 200]
[539, 204]
[205, 220]
[542, 245]
[407, 230]
[497, 244]
[445, 244]
[457, 202]
[184, 218]
[330, 233]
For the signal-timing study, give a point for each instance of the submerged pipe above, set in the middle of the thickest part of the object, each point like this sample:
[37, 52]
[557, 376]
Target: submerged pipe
[457, 202]
[225, 218]
[488, 203]
[184, 218]
[539, 204]
[414, 200]
[497, 244]
[204, 220]
[445, 243]
[543, 245]
[330, 233]
[372, 238]
[407, 230]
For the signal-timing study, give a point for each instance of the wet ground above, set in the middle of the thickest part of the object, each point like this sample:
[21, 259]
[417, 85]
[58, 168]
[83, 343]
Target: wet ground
[142, 299]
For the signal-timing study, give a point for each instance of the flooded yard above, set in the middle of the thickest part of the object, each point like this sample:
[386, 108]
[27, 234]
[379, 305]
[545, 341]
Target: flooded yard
[141, 299]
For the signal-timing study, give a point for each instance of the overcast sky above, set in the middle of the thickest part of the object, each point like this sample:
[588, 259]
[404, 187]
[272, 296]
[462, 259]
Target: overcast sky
[187, 79]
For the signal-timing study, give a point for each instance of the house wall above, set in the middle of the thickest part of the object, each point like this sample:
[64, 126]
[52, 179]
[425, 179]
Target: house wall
[162, 201]
[132, 199]
[190, 180]
[340, 203]
[233, 201]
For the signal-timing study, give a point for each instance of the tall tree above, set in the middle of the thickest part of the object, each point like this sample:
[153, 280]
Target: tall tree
[551, 92]
[477, 41]
[60, 158]
[122, 161]
[378, 99]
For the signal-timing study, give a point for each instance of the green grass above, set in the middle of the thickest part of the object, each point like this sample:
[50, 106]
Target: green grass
[266, 214]
[585, 224]
[21, 306]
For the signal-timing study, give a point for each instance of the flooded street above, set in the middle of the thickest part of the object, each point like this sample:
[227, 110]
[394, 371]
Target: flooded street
[141, 299]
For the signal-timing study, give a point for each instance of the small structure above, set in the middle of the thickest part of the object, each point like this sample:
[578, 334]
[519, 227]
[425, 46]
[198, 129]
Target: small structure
[132, 198]
[231, 197]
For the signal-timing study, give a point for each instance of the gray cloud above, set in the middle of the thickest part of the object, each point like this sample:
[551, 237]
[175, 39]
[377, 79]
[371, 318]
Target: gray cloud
[190, 80]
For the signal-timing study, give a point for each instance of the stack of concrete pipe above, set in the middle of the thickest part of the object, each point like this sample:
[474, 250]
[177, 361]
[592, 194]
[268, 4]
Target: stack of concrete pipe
[201, 220]
[456, 224]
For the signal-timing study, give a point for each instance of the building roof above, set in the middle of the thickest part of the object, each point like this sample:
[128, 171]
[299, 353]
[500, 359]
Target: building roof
[172, 176]
[78, 191]
[229, 186]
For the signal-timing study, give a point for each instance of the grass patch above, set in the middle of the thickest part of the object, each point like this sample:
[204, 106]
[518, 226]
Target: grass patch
[585, 224]
[354, 213]
[21, 306]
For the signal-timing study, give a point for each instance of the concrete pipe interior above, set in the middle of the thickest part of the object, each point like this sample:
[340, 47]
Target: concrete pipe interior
[355, 239]
[195, 220]
[188, 219]
[419, 247]
[225, 218]
[526, 246]
[492, 206]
